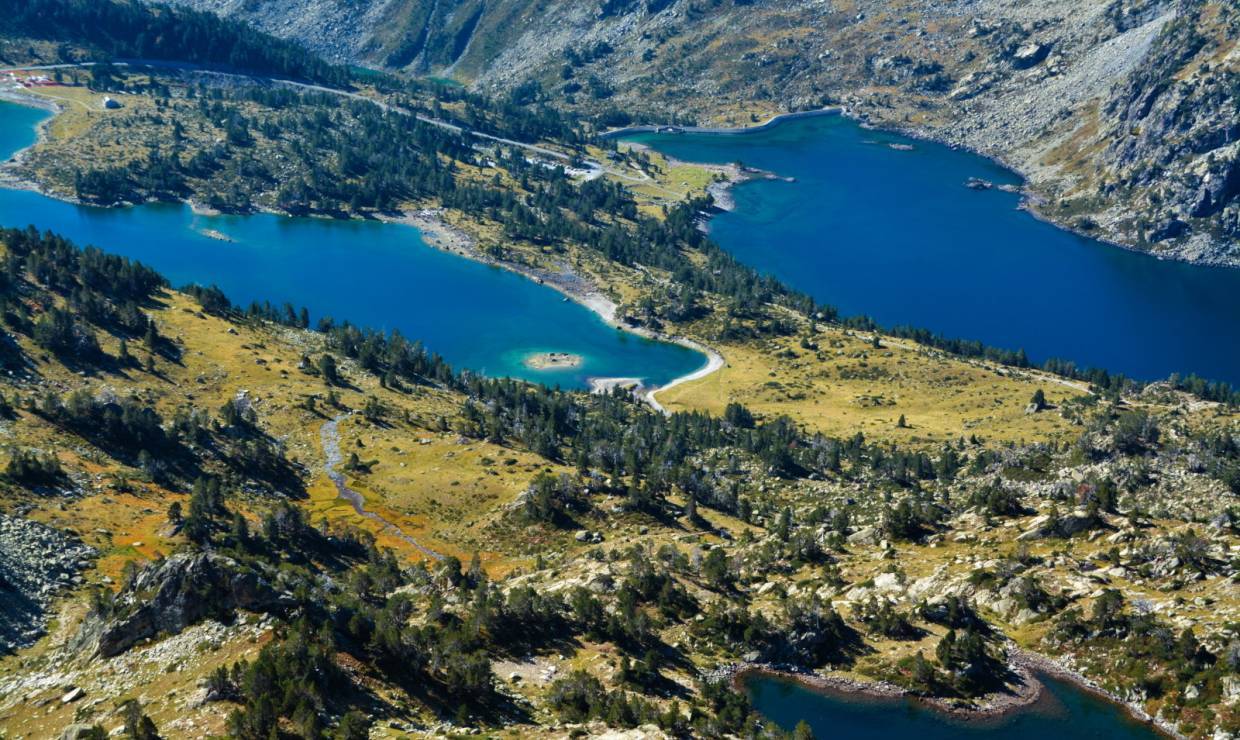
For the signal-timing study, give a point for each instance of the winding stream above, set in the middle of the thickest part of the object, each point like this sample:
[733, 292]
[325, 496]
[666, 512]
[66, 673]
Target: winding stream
[330, 436]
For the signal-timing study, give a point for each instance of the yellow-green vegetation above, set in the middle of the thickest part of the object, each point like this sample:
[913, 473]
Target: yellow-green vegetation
[656, 180]
[841, 384]
[609, 537]
[222, 361]
[587, 556]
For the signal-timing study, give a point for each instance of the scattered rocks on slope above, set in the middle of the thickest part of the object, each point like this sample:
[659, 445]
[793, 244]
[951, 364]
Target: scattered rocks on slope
[36, 563]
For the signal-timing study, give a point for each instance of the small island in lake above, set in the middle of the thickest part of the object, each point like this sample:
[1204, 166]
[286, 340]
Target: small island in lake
[214, 234]
[552, 360]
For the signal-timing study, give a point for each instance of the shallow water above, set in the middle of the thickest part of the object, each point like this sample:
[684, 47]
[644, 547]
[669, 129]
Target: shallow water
[1064, 713]
[897, 236]
[373, 274]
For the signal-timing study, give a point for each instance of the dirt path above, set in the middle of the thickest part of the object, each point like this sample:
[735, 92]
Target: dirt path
[330, 435]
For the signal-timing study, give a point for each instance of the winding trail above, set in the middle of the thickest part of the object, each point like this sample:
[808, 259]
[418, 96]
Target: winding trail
[330, 435]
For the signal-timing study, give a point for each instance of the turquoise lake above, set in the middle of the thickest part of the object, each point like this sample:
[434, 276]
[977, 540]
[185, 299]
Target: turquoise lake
[487, 319]
[897, 236]
[1063, 712]
[373, 274]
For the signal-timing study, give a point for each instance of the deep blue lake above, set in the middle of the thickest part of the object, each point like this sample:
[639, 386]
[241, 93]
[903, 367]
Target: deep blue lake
[373, 274]
[897, 236]
[1064, 713]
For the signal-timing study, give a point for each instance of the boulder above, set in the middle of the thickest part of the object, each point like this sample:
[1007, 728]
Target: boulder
[1025, 616]
[887, 582]
[864, 536]
[78, 731]
[1231, 688]
[1029, 54]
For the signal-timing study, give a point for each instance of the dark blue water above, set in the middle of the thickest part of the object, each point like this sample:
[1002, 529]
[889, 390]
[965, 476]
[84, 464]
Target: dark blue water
[895, 235]
[372, 274]
[1063, 713]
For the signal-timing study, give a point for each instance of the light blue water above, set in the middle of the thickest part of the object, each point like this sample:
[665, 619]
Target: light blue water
[372, 274]
[1064, 713]
[895, 235]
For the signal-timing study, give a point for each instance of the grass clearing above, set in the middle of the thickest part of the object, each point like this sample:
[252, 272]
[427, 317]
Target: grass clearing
[848, 386]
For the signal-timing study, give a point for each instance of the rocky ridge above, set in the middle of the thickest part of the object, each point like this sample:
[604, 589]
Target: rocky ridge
[177, 592]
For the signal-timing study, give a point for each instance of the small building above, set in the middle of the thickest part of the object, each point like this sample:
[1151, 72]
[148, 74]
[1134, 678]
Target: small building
[110, 103]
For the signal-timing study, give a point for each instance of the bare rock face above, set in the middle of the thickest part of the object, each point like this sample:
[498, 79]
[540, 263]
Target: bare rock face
[173, 594]
[1176, 133]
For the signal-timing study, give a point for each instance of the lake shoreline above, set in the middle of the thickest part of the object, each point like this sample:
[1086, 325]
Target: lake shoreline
[438, 234]
[1135, 711]
[1030, 201]
[8, 178]
[769, 123]
[441, 235]
[1025, 664]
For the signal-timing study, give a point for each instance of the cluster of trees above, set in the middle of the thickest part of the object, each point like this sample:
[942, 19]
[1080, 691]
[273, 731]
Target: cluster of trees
[881, 618]
[162, 32]
[77, 290]
[996, 499]
[580, 697]
[1147, 653]
[808, 635]
[971, 666]
[435, 630]
[29, 468]
[293, 678]
[124, 426]
[157, 177]
[340, 156]
[96, 288]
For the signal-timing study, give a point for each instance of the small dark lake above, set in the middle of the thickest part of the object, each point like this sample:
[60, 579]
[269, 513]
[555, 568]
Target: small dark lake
[1064, 713]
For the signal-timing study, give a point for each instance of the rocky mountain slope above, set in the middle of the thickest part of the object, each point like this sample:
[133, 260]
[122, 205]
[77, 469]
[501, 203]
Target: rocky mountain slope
[228, 523]
[253, 599]
[1122, 113]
